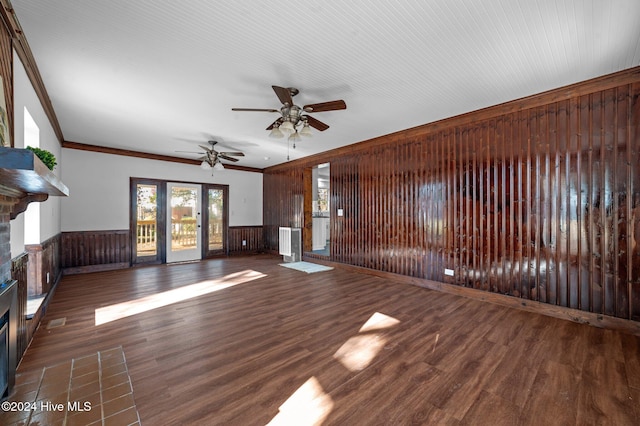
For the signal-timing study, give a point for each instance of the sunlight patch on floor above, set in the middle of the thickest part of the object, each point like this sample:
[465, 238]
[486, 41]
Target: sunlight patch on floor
[378, 321]
[359, 351]
[110, 313]
[308, 405]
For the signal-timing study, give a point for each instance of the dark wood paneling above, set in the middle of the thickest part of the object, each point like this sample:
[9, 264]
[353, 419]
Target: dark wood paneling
[95, 248]
[19, 273]
[44, 265]
[252, 235]
[538, 199]
[283, 192]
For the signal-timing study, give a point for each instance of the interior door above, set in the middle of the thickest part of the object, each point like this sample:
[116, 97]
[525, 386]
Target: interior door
[184, 222]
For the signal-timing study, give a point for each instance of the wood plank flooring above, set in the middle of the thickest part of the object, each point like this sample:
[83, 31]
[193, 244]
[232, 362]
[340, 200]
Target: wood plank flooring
[244, 341]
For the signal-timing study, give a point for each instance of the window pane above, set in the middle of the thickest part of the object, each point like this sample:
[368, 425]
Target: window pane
[216, 219]
[147, 220]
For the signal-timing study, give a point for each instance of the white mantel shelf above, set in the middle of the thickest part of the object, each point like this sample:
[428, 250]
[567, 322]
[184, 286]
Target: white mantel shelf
[24, 176]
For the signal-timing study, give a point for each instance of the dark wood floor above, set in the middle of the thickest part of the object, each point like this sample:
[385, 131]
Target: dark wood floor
[236, 355]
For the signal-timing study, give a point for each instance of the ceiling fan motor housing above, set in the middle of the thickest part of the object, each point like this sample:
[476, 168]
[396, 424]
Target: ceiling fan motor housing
[292, 113]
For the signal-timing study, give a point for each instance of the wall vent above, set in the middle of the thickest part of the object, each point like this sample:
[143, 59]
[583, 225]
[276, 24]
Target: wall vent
[290, 244]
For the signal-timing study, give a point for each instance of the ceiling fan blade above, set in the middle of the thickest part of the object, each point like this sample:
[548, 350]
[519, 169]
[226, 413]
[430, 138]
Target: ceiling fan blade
[236, 154]
[278, 122]
[206, 148]
[191, 152]
[316, 124]
[283, 94]
[221, 155]
[326, 106]
[256, 109]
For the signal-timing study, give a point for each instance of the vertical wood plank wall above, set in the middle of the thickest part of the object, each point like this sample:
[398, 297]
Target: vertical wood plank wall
[82, 249]
[538, 199]
[252, 235]
[283, 195]
[19, 272]
[85, 251]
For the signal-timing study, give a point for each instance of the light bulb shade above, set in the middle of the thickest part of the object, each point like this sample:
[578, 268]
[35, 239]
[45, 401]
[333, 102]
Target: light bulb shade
[287, 127]
[276, 133]
[306, 131]
[218, 166]
[205, 165]
[295, 137]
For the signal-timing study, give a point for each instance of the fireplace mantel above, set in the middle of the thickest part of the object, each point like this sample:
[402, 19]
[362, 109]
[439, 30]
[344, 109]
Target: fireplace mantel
[25, 178]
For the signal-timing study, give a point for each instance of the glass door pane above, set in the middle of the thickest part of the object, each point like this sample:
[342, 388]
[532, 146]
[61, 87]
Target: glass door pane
[183, 224]
[146, 220]
[216, 219]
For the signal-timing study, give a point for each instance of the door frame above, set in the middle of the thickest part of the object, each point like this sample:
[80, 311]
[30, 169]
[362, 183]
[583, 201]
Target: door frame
[161, 201]
[186, 255]
[206, 253]
[160, 256]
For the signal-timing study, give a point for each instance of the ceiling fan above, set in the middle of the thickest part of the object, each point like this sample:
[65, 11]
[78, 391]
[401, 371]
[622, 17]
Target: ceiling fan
[295, 120]
[211, 158]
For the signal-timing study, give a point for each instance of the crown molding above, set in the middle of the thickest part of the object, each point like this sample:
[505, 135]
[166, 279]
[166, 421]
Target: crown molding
[148, 156]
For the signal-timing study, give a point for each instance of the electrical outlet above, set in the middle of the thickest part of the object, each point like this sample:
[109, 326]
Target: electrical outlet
[448, 272]
[244, 243]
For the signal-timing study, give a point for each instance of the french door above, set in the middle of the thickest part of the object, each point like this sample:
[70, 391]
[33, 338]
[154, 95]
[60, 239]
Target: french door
[184, 222]
[177, 221]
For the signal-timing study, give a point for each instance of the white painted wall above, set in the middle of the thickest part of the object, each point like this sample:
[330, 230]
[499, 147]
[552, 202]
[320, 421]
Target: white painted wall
[25, 95]
[99, 189]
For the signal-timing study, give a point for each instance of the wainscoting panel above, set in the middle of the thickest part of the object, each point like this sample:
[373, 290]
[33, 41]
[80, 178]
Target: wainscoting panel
[44, 265]
[19, 273]
[538, 199]
[86, 251]
[252, 235]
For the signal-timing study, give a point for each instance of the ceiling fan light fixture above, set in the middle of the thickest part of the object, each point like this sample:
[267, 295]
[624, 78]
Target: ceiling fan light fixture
[287, 127]
[276, 133]
[205, 165]
[306, 130]
[218, 166]
[294, 120]
[294, 137]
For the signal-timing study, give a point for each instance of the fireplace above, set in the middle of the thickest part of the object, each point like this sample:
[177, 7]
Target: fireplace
[23, 179]
[8, 337]
[4, 355]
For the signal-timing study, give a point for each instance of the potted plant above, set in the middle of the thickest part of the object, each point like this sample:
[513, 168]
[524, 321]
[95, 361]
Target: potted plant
[45, 156]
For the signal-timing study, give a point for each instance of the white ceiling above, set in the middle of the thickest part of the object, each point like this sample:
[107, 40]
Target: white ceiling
[159, 76]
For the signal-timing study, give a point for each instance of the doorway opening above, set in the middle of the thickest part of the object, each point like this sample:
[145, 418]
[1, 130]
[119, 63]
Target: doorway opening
[320, 210]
